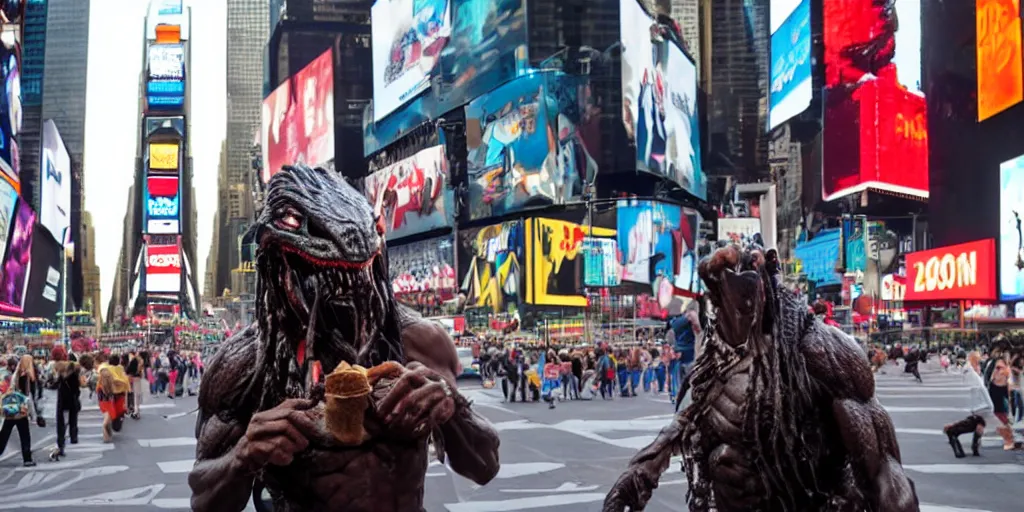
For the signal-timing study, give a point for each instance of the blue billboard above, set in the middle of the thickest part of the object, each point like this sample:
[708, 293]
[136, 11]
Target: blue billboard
[487, 47]
[819, 256]
[645, 234]
[791, 90]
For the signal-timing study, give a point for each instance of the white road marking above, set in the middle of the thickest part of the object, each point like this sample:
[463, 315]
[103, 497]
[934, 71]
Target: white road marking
[176, 503]
[167, 441]
[526, 468]
[922, 388]
[37, 446]
[144, 407]
[138, 496]
[83, 474]
[525, 503]
[966, 469]
[62, 465]
[566, 487]
[176, 466]
[942, 508]
[899, 408]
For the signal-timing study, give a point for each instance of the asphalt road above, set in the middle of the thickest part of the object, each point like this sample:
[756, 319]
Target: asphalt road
[562, 459]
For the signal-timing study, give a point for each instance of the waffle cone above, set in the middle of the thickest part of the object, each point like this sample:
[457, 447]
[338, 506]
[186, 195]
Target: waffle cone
[344, 418]
[347, 381]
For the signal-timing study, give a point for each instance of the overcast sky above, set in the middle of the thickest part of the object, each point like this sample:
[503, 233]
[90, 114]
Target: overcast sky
[112, 123]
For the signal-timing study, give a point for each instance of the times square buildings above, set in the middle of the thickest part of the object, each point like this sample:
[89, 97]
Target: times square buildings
[557, 168]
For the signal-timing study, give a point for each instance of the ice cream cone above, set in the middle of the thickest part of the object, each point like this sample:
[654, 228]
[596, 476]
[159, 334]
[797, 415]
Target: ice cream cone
[346, 394]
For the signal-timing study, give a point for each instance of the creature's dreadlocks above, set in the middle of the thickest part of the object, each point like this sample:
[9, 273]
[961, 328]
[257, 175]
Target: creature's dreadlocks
[778, 410]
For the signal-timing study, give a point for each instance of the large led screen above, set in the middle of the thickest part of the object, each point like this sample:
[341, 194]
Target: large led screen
[490, 267]
[524, 149]
[10, 115]
[413, 195]
[8, 200]
[408, 36]
[19, 259]
[423, 274]
[166, 62]
[555, 261]
[55, 181]
[659, 102]
[298, 119]
[1011, 238]
[163, 268]
[791, 91]
[1000, 80]
[167, 12]
[645, 237]
[876, 130]
[163, 157]
[162, 198]
[43, 293]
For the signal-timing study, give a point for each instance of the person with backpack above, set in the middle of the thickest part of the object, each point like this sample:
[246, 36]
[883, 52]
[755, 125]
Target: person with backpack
[606, 373]
[112, 393]
[16, 406]
[68, 380]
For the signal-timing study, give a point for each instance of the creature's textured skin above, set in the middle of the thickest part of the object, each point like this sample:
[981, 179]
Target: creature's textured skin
[325, 295]
[783, 416]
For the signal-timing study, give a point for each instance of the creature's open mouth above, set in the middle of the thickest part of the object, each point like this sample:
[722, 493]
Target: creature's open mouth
[342, 302]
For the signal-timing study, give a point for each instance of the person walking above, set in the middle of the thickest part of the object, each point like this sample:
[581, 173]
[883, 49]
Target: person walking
[16, 405]
[69, 381]
[135, 369]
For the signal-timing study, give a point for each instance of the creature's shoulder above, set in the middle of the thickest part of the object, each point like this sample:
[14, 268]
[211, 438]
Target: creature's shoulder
[427, 342]
[229, 373]
[837, 362]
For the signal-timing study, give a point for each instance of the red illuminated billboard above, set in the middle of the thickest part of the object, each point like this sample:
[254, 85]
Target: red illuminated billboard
[163, 268]
[876, 128]
[1000, 84]
[958, 272]
[298, 119]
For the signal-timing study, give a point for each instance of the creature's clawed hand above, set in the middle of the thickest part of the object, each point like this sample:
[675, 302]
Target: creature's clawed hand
[420, 400]
[632, 490]
[274, 436]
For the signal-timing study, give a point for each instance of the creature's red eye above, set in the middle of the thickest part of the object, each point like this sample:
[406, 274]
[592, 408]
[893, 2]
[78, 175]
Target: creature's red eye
[289, 221]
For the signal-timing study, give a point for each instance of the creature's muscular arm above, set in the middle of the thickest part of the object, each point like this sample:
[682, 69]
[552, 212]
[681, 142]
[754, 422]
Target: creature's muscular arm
[218, 480]
[837, 363]
[636, 485]
[470, 441]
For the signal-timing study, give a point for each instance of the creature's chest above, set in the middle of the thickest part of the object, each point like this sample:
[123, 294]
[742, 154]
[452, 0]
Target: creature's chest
[379, 476]
[727, 403]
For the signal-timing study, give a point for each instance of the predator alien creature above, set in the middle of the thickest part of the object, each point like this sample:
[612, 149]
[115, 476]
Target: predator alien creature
[783, 413]
[324, 294]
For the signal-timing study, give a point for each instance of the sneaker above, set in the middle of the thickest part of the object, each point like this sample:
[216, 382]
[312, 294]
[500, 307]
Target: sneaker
[29, 464]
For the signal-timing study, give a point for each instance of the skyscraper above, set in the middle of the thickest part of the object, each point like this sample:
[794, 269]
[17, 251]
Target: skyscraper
[248, 28]
[687, 14]
[33, 57]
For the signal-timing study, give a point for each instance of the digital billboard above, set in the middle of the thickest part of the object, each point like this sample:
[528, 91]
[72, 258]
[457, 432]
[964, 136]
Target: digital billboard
[958, 272]
[601, 262]
[791, 89]
[413, 195]
[408, 36]
[876, 129]
[163, 157]
[298, 119]
[1011, 238]
[684, 251]
[162, 198]
[10, 114]
[166, 62]
[555, 261]
[645, 238]
[1000, 68]
[487, 48]
[167, 12]
[43, 292]
[55, 184]
[163, 268]
[166, 95]
[423, 273]
[490, 266]
[18, 260]
[8, 201]
[659, 101]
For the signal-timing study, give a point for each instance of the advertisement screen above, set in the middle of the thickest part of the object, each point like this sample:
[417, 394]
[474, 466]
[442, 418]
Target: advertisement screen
[601, 262]
[18, 261]
[739, 230]
[42, 296]
[958, 272]
[163, 227]
[487, 48]
[659, 102]
[298, 119]
[876, 129]
[167, 12]
[163, 157]
[10, 115]
[163, 269]
[1011, 238]
[423, 275]
[413, 195]
[55, 181]
[791, 91]
[8, 200]
[1000, 81]
[166, 62]
[162, 198]
[684, 252]
[817, 257]
[646, 240]
[408, 36]
[490, 267]
[555, 261]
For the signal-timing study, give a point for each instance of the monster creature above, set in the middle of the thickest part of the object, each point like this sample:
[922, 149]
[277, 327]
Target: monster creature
[783, 413]
[324, 297]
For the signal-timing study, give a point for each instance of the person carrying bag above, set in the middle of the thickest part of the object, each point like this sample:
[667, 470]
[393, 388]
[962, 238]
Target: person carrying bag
[16, 406]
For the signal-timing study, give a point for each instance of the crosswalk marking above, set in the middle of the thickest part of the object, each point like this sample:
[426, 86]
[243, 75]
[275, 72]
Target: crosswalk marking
[176, 466]
[172, 503]
[167, 441]
[966, 469]
[530, 503]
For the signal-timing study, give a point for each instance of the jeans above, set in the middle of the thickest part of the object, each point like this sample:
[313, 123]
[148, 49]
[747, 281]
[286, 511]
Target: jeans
[1017, 405]
[648, 378]
[70, 424]
[23, 435]
[659, 374]
[607, 388]
[673, 378]
[623, 381]
[634, 380]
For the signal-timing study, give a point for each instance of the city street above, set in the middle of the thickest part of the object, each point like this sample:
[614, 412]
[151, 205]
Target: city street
[562, 459]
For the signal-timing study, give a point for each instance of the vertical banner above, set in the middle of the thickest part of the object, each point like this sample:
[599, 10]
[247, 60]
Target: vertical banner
[1000, 84]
